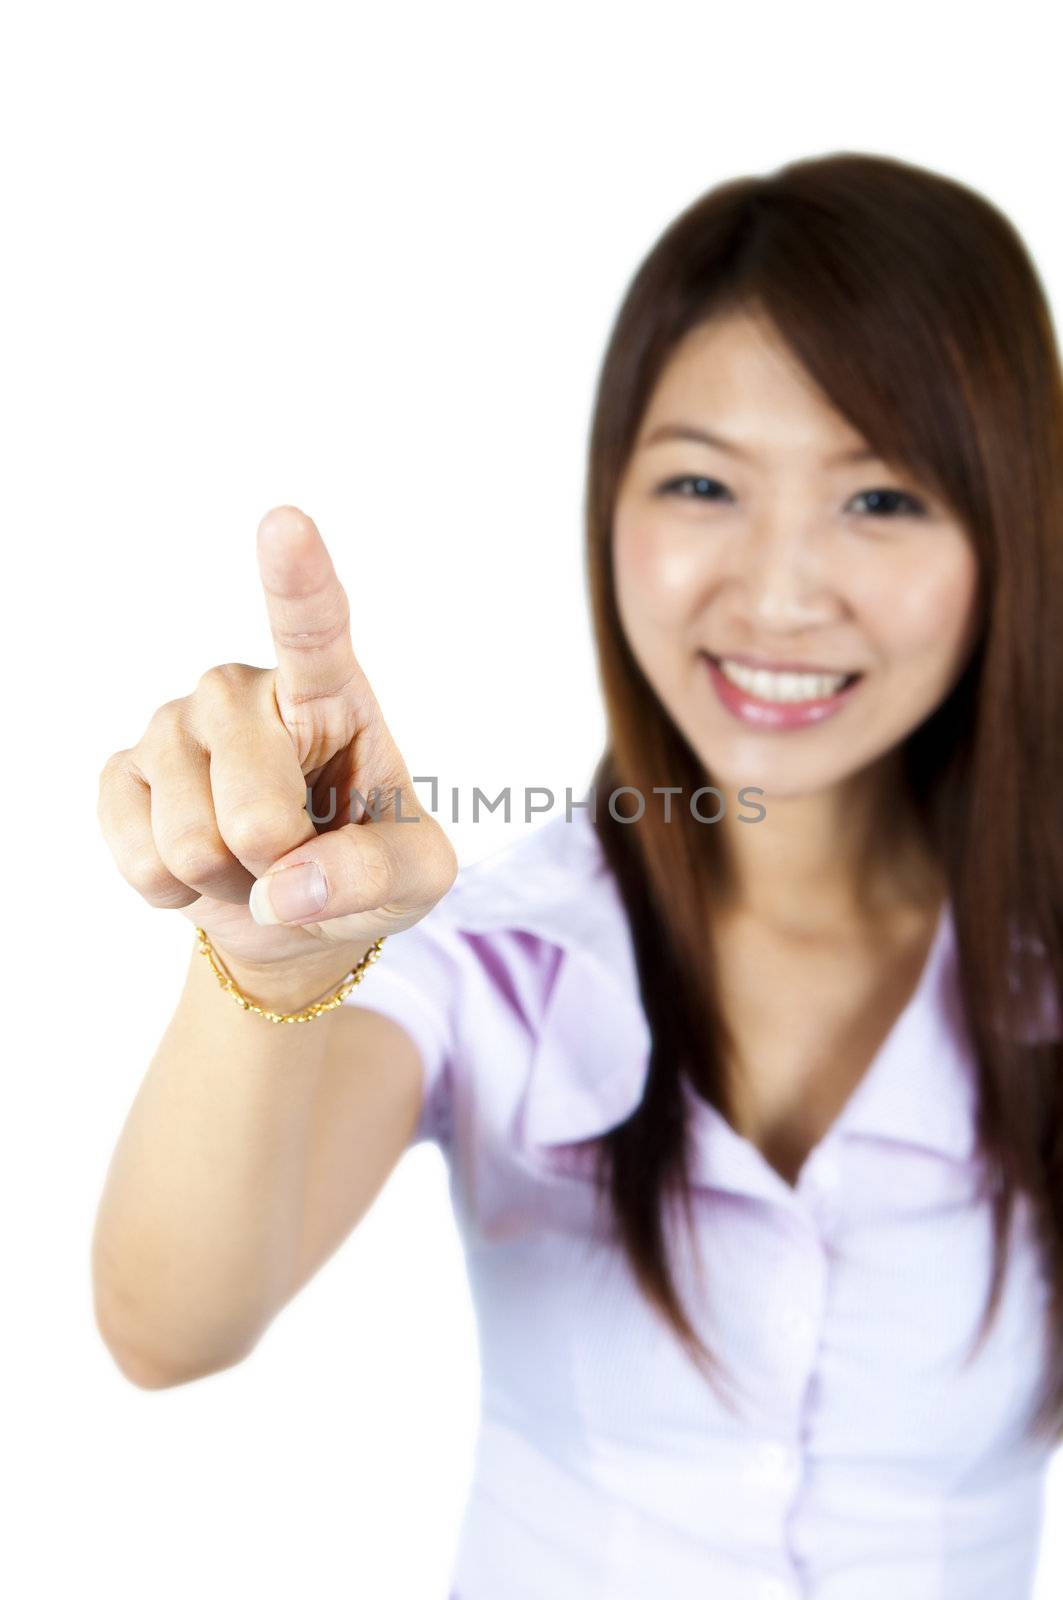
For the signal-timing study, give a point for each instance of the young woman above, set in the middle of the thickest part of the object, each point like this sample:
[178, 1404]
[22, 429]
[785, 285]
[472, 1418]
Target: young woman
[746, 1065]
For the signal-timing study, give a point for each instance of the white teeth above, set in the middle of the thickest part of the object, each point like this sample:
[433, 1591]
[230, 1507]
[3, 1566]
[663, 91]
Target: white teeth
[783, 685]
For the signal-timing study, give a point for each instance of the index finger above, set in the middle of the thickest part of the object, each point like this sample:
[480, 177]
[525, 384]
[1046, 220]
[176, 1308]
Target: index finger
[308, 612]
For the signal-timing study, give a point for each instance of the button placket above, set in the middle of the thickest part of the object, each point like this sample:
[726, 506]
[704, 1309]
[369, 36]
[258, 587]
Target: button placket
[819, 1186]
[801, 1540]
[800, 1306]
[797, 1323]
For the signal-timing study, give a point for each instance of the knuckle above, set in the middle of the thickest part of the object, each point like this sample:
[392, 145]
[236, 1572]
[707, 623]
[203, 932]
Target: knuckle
[113, 768]
[168, 721]
[225, 684]
[154, 882]
[258, 830]
[332, 624]
[114, 763]
[197, 856]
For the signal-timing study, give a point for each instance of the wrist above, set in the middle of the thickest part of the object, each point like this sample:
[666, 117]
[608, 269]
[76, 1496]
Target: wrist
[290, 985]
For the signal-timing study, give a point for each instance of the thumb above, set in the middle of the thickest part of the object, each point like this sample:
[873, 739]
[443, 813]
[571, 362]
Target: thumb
[388, 871]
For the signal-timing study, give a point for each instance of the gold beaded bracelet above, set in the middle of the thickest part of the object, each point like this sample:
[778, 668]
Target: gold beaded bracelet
[315, 1009]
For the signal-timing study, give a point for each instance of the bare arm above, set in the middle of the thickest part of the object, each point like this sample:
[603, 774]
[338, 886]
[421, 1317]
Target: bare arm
[252, 1148]
[249, 1153]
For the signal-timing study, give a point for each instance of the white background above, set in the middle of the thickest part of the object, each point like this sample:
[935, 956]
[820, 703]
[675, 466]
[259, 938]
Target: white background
[363, 260]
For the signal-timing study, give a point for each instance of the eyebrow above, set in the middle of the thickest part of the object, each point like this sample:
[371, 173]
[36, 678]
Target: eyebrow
[683, 430]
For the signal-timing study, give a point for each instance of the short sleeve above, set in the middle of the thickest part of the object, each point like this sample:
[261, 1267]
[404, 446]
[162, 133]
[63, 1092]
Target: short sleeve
[414, 981]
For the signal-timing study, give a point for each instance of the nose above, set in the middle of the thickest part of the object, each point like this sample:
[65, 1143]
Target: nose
[780, 574]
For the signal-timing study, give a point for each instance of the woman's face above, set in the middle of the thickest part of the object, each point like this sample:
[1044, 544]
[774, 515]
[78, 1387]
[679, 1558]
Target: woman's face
[767, 549]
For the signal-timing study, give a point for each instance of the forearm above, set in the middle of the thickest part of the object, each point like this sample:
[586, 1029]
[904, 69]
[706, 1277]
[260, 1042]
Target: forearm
[199, 1222]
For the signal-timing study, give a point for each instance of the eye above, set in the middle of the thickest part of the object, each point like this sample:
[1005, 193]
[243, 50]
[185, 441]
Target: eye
[891, 502]
[693, 488]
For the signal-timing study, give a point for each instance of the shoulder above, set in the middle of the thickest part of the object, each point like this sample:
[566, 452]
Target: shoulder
[520, 986]
[536, 882]
[536, 926]
[550, 889]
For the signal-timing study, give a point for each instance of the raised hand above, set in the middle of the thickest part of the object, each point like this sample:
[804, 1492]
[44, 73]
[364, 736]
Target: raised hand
[207, 813]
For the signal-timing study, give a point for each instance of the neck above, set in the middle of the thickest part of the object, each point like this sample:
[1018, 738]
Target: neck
[830, 861]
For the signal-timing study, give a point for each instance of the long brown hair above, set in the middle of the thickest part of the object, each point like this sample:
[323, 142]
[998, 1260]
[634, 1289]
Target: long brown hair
[914, 305]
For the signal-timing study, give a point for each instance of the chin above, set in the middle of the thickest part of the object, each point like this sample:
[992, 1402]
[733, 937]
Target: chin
[781, 775]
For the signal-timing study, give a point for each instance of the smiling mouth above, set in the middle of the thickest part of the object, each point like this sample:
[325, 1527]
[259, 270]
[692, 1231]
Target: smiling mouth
[782, 688]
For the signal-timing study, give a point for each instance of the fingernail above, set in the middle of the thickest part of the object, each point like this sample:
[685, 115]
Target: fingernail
[289, 895]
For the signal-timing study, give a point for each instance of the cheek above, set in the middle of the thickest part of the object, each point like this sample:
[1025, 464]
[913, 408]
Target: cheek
[927, 610]
[659, 573]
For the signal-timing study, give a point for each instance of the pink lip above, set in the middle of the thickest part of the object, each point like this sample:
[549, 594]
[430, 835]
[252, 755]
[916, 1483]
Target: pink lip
[772, 714]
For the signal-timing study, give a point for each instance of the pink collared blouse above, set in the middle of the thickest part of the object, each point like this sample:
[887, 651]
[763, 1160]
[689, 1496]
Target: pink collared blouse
[866, 1458]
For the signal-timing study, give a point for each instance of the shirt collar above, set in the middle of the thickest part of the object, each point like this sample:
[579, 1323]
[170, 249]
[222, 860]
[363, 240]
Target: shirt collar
[591, 1056]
